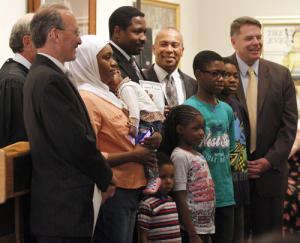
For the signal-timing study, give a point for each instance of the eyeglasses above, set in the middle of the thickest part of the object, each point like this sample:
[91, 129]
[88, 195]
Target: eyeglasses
[215, 73]
[75, 32]
[229, 74]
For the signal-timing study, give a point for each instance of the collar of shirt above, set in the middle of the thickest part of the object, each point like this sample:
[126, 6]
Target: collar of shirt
[243, 67]
[22, 60]
[120, 50]
[180, 88]
[56, 62]
[176, 74]
[162, 74]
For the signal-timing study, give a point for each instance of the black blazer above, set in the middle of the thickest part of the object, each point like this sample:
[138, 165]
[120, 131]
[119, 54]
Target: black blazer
[276, 124]
[66, 161]
[190, 84]
[124, 65]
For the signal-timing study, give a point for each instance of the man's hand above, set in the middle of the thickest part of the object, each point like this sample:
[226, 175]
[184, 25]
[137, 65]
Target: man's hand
[110, 192]
[258, 167]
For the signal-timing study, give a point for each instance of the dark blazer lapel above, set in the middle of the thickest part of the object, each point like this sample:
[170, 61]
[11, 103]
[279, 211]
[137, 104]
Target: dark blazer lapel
[241, 95]
[141, 71]
[264, 82]
[125, 65]
[151, 74]
[240, 91]
[189, 86]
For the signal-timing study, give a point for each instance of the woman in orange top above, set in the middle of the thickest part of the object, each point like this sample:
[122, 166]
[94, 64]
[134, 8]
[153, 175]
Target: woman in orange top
[93, 70]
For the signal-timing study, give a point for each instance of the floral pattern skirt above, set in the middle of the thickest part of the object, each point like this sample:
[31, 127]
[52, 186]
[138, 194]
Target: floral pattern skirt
[291, 213]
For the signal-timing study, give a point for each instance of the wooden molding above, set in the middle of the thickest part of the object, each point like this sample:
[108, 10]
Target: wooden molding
[33, 5]
[92, 16]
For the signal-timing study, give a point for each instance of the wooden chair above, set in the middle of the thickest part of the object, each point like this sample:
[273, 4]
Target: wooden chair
[15, 179]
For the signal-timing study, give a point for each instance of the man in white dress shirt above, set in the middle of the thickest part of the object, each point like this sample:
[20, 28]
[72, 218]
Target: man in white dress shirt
[177, 86]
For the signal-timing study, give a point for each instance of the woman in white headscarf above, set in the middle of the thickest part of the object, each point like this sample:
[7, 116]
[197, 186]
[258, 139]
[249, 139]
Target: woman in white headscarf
[93, 70]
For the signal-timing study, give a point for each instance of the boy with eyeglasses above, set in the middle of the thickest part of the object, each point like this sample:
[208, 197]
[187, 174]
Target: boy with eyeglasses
[238, 156]
[219, 137]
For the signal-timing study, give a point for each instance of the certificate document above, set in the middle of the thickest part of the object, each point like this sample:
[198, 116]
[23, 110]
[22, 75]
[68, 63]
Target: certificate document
[155, 90]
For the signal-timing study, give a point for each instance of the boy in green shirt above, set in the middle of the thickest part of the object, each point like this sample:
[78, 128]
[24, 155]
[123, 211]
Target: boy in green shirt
[219, 138]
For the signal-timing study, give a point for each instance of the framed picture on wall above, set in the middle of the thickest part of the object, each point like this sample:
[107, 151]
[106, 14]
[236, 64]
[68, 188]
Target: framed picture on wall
[84, 11]
[159, 14]
[281, 42]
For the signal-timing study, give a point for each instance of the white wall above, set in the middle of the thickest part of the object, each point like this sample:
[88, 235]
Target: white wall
[215, 19]
[104, 10]
[10, 11]
[204, 24]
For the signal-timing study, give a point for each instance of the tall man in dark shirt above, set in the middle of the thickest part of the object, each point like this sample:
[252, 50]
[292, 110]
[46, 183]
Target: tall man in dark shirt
[127, 28]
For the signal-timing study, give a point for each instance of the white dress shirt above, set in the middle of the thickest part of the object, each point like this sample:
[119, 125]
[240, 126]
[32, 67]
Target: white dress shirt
[22, 60]
[162, 77]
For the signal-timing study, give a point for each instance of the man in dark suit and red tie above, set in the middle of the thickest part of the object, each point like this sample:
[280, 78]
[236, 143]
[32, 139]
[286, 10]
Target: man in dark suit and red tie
[267, 93]
[65, 159]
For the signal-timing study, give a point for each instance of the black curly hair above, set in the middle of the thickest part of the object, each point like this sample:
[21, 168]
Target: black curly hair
[179, 115]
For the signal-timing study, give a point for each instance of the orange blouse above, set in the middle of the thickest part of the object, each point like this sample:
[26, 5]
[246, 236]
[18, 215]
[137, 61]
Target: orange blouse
[110, 126]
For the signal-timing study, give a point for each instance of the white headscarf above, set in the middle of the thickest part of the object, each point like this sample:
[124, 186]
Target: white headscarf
[85, 69]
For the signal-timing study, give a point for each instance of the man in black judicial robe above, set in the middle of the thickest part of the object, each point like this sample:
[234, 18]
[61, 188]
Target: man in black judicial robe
[12, 78]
